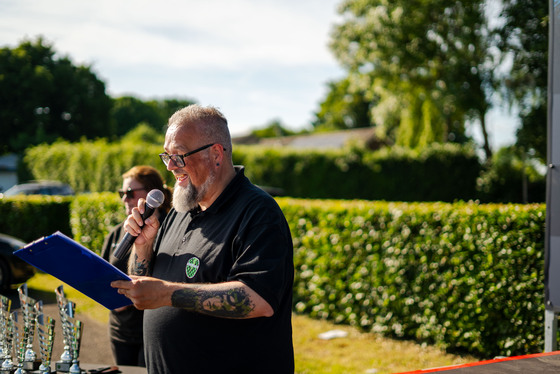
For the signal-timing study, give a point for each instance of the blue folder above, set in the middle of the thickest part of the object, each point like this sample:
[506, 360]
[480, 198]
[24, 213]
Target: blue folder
[77, 266]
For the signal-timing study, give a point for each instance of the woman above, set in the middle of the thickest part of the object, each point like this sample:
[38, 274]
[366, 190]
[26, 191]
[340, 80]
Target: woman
[125, 324]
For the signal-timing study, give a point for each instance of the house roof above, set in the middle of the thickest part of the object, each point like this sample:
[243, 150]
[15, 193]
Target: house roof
[334, 139]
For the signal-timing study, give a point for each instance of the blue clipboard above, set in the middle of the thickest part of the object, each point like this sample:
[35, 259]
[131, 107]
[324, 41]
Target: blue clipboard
[77, 266]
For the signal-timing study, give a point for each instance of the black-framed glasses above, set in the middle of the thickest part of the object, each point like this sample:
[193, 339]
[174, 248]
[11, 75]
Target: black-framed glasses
[129, 192]
[179, 160]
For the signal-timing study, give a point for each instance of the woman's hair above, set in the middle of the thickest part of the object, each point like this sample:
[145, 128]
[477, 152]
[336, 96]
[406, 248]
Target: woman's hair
[151, 179]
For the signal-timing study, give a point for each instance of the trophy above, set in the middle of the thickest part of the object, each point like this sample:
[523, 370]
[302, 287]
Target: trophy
[19, 331]
[7, 337]
[45, 332]
[71, 333]
[5, 305]
[29, 316]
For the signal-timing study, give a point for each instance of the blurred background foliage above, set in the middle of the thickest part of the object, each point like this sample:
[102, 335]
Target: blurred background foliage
[419, 72]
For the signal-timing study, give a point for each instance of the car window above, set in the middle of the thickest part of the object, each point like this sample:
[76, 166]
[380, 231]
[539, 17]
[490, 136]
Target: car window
[4, 247]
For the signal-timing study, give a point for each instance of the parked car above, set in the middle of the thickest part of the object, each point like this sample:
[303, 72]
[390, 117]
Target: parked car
[13, 270]
[39, 188]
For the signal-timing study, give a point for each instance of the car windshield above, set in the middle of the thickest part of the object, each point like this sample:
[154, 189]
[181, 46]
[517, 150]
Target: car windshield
[39, 189]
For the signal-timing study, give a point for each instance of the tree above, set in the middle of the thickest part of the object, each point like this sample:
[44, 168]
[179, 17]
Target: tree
[272, 129]
[343, 108]
[423, 63]
[128, 112]
[44, 96]
[524, 37]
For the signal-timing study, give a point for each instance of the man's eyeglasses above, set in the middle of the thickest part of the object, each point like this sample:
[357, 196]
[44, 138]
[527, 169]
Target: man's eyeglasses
[129, 193]
[179, 160]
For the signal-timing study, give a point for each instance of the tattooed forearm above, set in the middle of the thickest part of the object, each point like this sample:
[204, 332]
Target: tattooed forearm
[138, 267]
[230, 303]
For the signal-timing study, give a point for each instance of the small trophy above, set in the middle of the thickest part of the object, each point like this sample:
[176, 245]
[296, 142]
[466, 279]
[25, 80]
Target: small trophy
[77, 330]
[5, 305]
[29, 314]
[71, 333]
[8, 333]
[19, 333]
[45, 331]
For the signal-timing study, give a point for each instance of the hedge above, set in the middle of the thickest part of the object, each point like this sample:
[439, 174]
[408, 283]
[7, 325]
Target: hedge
[441, 172]
[91, 166]
[463, 276]
[467, 277]
[31, 217]
[93, 216]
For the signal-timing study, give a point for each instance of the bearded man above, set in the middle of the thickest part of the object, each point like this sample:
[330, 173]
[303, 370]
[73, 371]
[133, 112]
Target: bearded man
[215, 280]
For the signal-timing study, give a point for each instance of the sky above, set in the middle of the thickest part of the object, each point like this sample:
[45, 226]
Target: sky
[256, 60]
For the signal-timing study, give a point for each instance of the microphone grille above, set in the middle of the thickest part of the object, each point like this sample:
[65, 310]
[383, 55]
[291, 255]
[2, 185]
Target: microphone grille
[155, 198]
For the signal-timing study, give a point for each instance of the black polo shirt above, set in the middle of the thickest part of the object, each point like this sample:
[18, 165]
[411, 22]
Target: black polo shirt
[242, 236]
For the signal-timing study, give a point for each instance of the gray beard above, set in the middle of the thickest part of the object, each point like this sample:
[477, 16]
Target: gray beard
[187, 198]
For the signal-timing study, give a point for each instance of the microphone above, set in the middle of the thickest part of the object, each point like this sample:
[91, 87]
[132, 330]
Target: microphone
[154, 199]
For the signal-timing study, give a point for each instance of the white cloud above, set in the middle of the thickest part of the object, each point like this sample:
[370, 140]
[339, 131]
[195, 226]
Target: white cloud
[187, 34]
[256, 59]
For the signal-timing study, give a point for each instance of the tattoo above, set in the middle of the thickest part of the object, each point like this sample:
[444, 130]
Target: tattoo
[139, 267]
[231, 303]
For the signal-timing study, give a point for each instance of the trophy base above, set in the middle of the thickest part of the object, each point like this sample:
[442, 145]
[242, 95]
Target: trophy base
[63, 366]
[31, 365]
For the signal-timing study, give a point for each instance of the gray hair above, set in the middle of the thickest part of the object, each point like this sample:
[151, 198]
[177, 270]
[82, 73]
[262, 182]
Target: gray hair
[210, 121]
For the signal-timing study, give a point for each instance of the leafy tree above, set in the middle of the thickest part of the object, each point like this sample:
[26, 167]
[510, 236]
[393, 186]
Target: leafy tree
[273, 129]
[343, 108]
[524, 37]
[44, 96]
[511, 177]
[144, 133]
[423, 63]
[129, 111]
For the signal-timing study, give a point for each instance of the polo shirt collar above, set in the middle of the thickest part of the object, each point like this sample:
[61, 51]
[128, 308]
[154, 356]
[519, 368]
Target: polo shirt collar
[227, 193]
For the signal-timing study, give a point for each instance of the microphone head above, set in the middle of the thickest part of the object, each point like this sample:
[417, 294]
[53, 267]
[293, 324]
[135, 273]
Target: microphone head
[155, 198]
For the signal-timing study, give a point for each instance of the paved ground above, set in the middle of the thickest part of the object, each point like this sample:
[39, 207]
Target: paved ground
[95, 346]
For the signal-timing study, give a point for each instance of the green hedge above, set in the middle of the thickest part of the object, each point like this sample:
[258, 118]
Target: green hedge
[87, 217]
[464, 276]
[91, 166]
[31, 217]
[445, 172]
[467, 277]
[93, 216]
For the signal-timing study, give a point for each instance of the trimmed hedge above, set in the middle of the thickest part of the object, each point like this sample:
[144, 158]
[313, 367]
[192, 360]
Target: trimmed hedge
[93, 216]
[87, 218]
[464, 276]
[91, 166]
[441, 172]
[31, 217]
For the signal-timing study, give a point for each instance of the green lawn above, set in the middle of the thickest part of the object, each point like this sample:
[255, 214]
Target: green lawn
[357, 353]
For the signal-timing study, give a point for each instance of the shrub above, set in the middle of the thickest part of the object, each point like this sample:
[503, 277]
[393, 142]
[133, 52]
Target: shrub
[93, 216]
[441, 172]
[464, 276]
[31, 217]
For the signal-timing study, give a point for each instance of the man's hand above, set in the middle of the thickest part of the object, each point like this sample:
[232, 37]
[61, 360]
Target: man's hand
[145, 292]
[145, 231]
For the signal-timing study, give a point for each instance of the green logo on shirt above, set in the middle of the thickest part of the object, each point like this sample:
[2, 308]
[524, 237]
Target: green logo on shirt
[192, 267]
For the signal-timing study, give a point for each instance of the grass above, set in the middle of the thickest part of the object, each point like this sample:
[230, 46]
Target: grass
[357, 353]
[44, 286]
